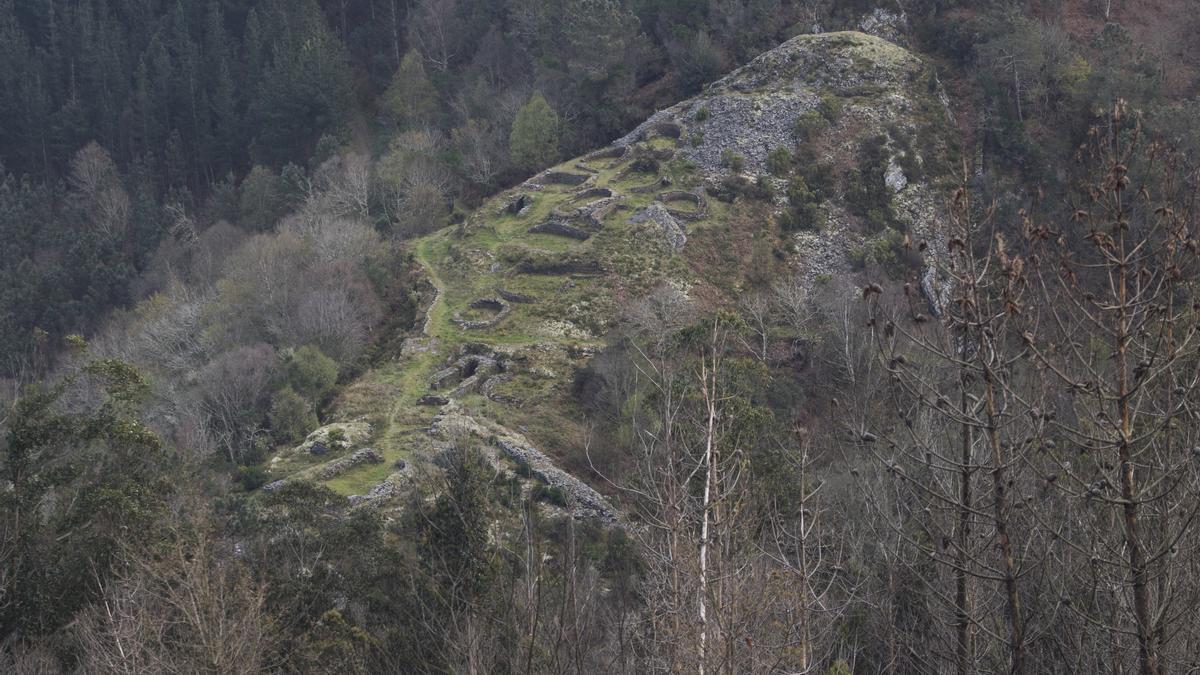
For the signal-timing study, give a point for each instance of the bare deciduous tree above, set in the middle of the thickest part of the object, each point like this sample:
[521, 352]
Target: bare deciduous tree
[342, 186]
[234, 389]
[960, 417]
[188, 608]
[724, 562]
[481, 150]
[1116, 343]
[96, 184]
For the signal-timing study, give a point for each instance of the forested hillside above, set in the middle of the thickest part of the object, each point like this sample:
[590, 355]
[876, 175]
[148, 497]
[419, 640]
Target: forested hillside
[599, 336]
[185, 98]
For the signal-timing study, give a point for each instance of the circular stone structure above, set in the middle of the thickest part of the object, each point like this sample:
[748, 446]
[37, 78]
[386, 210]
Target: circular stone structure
[497, 305]
[692, 198]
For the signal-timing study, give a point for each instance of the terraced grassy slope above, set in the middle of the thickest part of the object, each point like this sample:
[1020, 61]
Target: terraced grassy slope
[530, 282]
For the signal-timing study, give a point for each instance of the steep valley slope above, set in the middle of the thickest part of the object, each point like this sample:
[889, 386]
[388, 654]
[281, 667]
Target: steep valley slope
[823, 160]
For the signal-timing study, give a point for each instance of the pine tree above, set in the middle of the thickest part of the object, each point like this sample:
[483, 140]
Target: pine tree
[223, 92]
[533, 142]
[410, 99]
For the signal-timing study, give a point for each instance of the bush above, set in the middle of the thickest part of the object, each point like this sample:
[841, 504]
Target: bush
[732, 160]
[732, 187]
[292, 417]
[702, 114]
[252, 477]
[809, 124]
[761, 190]
[549, 494]
[806, 217]
[805, 213]
[888, 252]
[779, 162]
[819, 177]
[311, 373]
[867, 195]
[830, 108]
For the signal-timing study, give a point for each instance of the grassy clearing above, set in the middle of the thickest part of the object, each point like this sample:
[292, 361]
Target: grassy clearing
[290, 463]
[361, 479]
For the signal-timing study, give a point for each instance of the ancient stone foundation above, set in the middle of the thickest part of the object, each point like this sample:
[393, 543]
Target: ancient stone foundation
[497, 305]
[560, 229]
[564, 178]
[696, 200]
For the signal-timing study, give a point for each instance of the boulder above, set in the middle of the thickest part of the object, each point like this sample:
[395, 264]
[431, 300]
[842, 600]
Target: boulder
[334, 437]
[894, 177]
[657, 214]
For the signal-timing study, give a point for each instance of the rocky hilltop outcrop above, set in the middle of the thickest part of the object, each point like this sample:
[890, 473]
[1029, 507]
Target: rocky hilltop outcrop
[833, 146]
[756, 109]
[831, 92]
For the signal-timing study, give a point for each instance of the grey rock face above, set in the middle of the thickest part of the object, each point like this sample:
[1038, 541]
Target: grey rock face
[754, 109]
[885, 24]
[894, 177]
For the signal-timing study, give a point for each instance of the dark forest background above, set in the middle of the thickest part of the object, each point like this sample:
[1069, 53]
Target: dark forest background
[220, 192]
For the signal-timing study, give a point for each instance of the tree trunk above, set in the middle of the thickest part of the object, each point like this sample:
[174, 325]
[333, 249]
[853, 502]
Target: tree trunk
[1147, 658]
[1000, 497]
[964, 649]
[709, 476]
